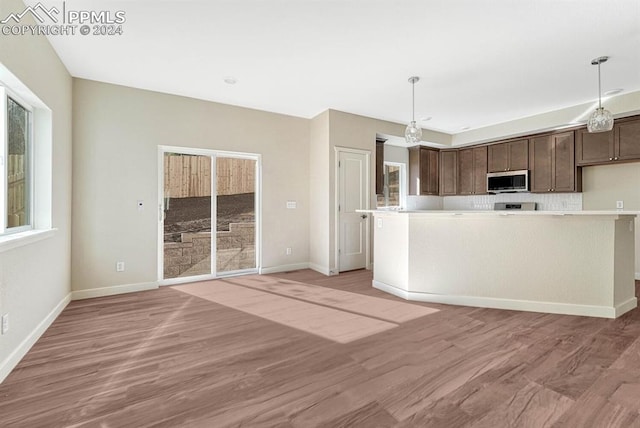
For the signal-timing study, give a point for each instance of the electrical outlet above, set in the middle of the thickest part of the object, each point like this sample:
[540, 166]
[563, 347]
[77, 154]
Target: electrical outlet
[119, 266]
[5, 323]
[619, 205]
[288, 251]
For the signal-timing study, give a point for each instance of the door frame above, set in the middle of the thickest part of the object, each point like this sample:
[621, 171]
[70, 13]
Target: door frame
[213, 154]
[336, 201]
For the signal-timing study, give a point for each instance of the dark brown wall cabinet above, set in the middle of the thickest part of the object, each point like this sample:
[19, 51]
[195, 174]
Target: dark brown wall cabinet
[423, 171]
[472, 171]
[510, 156]
[448, 172]
[622, 143]
[553, 167]
[379, 166]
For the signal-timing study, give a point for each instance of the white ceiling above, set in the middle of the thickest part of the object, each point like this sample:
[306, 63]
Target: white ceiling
[481, 62]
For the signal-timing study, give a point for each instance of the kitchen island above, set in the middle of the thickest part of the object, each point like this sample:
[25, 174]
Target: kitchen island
[573, 262]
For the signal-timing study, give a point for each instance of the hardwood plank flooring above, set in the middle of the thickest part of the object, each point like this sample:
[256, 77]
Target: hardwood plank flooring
[164, 358]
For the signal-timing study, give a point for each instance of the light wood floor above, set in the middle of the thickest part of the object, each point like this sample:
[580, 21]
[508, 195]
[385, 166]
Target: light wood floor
[164, 358]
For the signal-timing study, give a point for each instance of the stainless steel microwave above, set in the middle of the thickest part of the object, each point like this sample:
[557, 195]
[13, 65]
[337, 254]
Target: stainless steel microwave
[508, 182]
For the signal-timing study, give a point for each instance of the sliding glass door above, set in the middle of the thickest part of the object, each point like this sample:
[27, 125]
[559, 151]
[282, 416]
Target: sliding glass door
[235, 214]
[208, 214]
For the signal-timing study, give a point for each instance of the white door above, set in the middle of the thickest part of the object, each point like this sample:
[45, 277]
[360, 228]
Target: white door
[353, 194]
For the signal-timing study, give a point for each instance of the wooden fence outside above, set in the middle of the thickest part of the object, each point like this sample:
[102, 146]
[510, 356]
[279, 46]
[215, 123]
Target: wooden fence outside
[16, 191]
[188, 176]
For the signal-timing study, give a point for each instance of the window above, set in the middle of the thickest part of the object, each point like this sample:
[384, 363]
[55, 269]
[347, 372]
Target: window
[393, 196]
[15, 153]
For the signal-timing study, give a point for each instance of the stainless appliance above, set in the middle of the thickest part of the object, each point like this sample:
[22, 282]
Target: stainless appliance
[518, 206]
[508, 182]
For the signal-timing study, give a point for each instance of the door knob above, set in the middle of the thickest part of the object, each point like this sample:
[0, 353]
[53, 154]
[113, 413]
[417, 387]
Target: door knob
[363, 216]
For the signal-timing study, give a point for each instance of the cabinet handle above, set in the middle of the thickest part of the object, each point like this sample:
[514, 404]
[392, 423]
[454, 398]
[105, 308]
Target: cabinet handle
[548, 190]
[610, 158]
[616, 158]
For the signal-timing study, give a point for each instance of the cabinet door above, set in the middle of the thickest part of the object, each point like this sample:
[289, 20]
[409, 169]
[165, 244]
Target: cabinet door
[432, 172]
[518, 155]
[414, 170]
[379, 167]
[540, 154]
[423, 171]
[498, 157]
[627, 140]
[448, 172]
[593, 148]
[480, 170]
[465, 171]
[564, 167]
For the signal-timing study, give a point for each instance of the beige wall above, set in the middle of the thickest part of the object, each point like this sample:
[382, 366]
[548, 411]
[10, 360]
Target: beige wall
[350, 131]
[603, 185]
[319, 194]
[117, 131]
[35, 278]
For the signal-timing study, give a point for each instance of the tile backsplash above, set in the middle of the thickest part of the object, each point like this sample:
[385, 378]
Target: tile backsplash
[424, 202]
[545, 201]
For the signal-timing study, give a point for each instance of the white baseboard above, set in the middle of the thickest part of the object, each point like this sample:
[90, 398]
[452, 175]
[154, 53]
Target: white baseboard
[110, 291]
[625, 307]
[511, 304]
[14, 358]
[325, 270]
[391, 289]
[284, 268]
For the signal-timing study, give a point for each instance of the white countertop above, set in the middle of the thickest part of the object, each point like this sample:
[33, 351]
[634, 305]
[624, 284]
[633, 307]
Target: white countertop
[503, 213]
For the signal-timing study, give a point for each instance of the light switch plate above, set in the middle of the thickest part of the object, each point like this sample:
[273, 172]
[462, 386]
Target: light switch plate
[619, 205]
[292, 205]
[5, 324]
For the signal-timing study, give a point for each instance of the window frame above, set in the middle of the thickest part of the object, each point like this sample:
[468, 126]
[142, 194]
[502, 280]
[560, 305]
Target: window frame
[5, 230]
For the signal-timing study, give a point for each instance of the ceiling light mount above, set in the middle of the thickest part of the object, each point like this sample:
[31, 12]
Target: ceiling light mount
[601, 120]
[413, 133]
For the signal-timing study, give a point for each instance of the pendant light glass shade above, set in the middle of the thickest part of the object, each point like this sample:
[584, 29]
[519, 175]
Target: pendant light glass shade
[601, 120]
[413, 133]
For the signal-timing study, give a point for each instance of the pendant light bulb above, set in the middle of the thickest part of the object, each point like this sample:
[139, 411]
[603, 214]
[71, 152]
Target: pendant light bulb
[413, 133]
[601, 120]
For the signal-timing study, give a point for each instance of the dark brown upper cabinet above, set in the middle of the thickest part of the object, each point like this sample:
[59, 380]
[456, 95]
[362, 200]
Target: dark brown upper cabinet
[423, 171]
[622, 143]
[509, 156]
[379, 166]
[626, 135]
[448, 172]
[472, 171]
[553, 167]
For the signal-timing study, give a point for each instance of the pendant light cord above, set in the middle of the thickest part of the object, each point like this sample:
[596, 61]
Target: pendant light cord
[413, 101]
[599, 88]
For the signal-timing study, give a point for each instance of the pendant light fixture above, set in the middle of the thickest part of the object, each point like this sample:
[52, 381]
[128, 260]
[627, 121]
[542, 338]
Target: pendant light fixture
[413, 134]
[601, 120]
